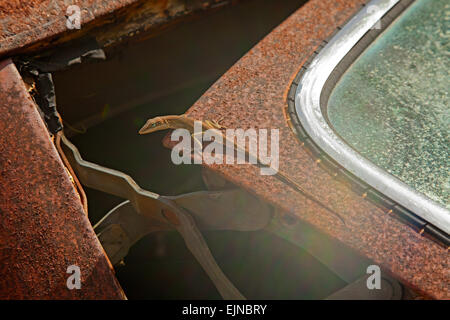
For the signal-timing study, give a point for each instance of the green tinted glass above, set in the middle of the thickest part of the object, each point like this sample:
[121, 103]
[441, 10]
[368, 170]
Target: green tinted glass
[392, 104]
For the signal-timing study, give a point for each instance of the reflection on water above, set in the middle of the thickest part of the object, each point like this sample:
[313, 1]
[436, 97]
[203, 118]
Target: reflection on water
[392, 103]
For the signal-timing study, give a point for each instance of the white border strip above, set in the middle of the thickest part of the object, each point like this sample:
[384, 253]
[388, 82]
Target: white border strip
[307, 106]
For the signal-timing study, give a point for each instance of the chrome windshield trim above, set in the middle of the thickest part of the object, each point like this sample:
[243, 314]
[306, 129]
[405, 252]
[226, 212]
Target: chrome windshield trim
[308, 109]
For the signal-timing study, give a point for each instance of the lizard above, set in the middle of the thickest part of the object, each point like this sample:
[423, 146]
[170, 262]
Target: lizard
[185, 122]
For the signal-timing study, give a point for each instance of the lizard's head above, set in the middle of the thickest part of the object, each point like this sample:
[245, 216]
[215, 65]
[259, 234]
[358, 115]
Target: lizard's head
[154, 124]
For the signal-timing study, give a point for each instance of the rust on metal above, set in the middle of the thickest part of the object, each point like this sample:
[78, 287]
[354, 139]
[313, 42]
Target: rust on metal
[43, 229]
[29, 26]
[252, 94]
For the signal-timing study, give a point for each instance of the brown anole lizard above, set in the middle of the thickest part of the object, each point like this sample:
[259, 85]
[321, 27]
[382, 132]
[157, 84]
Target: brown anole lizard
[185, 122]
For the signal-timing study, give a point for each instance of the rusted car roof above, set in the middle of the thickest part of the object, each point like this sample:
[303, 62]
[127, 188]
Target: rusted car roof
[253, 94]
[42, 215]
[36, 24]
[43, 228]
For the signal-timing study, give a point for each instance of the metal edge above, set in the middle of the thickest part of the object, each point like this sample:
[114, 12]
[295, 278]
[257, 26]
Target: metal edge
[307, 105]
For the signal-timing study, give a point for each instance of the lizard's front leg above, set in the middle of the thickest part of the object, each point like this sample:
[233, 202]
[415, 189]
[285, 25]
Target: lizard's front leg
[215, 124]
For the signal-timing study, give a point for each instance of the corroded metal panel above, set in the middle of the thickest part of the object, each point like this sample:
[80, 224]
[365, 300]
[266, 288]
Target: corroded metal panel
[255, 92]
[37, 24]
[43, 228]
